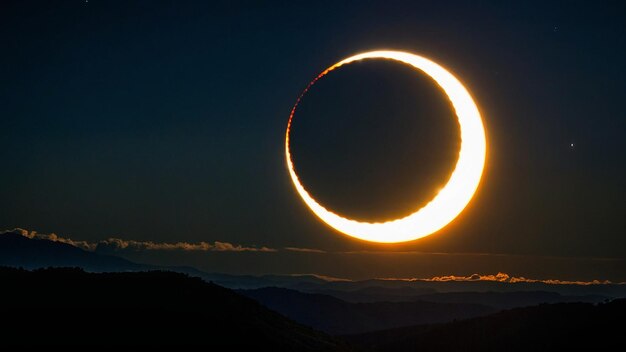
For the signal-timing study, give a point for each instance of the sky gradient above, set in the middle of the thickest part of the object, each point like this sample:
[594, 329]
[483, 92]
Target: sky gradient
[164, 122]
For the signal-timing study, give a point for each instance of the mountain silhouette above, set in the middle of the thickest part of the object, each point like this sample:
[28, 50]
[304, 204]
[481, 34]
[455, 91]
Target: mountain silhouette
[336, 316]
[377, 294]
[567, 289]
[70, 306]
[499, 300]
[546, 327]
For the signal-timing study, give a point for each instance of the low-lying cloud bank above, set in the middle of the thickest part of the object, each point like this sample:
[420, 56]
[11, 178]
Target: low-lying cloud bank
[503, 277]
[304, 250]
[118, 244]
[112, 245]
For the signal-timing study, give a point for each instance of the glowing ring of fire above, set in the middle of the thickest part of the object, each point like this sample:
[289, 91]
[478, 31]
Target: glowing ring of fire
[451, 199]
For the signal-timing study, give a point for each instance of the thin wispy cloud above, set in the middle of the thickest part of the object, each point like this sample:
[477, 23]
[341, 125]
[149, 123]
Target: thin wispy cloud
[304, 250]
[501, 277]
[112, 245]
[323, 277]
[471, 254]
[117, 245]
[88, 246]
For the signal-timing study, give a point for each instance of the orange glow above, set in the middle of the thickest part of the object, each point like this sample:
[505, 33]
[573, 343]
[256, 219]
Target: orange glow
[451, 199]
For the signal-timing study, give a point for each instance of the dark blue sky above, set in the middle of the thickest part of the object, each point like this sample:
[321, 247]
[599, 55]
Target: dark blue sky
[164, 121]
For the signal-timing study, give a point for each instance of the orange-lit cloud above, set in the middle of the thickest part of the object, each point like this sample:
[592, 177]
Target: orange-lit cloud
[54, 238]
[118, 244]
[503, 277]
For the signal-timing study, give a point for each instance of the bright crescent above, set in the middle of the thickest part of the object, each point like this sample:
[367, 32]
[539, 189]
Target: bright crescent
[451, 199]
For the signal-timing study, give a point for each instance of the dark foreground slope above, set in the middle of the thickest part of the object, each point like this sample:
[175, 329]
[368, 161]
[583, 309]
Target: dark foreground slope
[547, 327]
[69, 306]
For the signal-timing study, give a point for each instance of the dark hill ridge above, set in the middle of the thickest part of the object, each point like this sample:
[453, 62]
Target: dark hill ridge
[70, 306]
[616, 290]
[377, 294]
[336, 316]
[547, 327]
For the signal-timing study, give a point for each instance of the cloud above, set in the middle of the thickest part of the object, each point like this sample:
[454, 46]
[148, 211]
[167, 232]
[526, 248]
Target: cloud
[323, 277]
[113, 245]
[118, 245]
[500, 277]
[88, 246]
[506, 278]
[410, 252]
[304, 250]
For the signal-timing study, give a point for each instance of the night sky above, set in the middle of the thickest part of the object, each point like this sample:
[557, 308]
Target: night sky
[164, 122]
